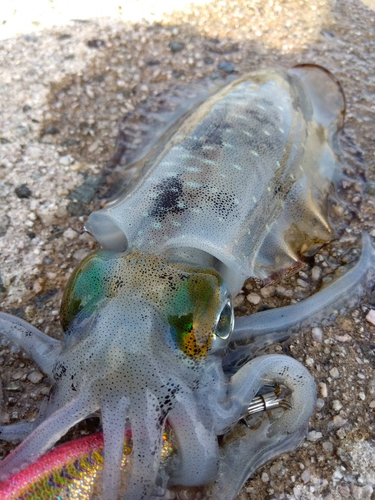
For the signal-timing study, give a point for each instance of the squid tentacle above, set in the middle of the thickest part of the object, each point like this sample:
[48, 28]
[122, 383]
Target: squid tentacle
[42, 349]
[147, 425]
[113, 417]
[244, 450]
[197, 443]
[47, 434]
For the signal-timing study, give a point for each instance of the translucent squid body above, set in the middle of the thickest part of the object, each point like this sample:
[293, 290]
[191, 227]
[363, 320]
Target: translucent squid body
[232, 190]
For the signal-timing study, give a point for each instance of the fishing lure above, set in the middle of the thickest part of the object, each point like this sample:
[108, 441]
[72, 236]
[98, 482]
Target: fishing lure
[233, 189]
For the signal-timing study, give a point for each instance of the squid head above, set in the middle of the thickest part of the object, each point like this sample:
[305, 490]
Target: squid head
[139, 333]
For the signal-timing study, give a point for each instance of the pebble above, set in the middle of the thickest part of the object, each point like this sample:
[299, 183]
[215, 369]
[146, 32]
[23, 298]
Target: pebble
[265, 477]
[334, 372]
[302, 283]
[328, 446]
[77, 209]
[343, 338]
[306, 475]
[370, 317]
[23, 191]
[336, 405]
[317, 334]
[253, 298]
[35, 377]
[309, 362]
[86, 191]
[13, 386]
[70, 234]
[70, 142]
[4, 224]
[337, 422]
[267, 291]
[176, 46]
[360, 493]
[323, 389]
[319, 404]
[238, 300]
[66, 160]
[51, 130]
[316, 273]
[80, 254]
[314, 436]
[226, 66]
[96, 43]
[17, 375]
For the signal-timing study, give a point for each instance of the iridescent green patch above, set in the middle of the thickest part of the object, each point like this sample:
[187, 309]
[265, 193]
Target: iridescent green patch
[192, 312]
[86, 287]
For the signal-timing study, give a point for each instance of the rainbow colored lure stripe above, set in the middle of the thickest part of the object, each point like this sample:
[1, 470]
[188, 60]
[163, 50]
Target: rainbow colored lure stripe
[70, 471]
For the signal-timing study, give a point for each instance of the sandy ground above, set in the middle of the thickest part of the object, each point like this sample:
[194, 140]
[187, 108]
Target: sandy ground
[69, 74]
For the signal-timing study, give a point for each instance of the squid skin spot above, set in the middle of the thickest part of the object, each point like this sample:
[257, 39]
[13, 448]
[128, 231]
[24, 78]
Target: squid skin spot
[169, 198]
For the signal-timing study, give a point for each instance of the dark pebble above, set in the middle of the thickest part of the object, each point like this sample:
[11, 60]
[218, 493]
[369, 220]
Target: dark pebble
[3, 140]
[328, 33]
[215, 75]
[99, 78]
[152, 62]
[368, 350]
[2, 287]
[56, 232]
[47, 261]
[42, 299]
[264, 308]
[177, 73]
[26, 108]
[176, 46]
[19, 312]
[208, 60]
[70, 142]
[51, 130]
[4, 224]
[95, 44]
[69, 57]
[370, 187]
[77, 209]
[64, 36]
[23, 191]
[226, 66]
[86, 191]
[31, 235]
[30, 38]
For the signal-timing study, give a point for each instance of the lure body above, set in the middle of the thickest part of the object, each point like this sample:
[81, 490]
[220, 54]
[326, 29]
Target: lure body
[234, 189]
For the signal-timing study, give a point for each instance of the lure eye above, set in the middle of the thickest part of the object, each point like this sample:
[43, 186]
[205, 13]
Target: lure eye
[225, 322]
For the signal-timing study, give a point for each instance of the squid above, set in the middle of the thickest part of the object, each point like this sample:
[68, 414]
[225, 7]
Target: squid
[234, 187]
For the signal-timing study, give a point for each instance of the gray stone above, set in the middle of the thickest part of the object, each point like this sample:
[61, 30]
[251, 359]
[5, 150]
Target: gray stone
[51, 130]
[86, 191]
[23, 191]
[314, 436]
[4, 224]
[226, 66]
[96, 43]
[317, 334]
[77, 209]
[176, 46]
[35, 377]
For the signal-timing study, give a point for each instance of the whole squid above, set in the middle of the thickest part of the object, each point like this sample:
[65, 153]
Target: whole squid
[235, 188]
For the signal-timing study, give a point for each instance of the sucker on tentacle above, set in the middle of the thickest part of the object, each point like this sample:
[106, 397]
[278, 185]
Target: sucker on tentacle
[235, 188]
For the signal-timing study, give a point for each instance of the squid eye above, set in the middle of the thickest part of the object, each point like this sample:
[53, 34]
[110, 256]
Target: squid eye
[225, 322]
